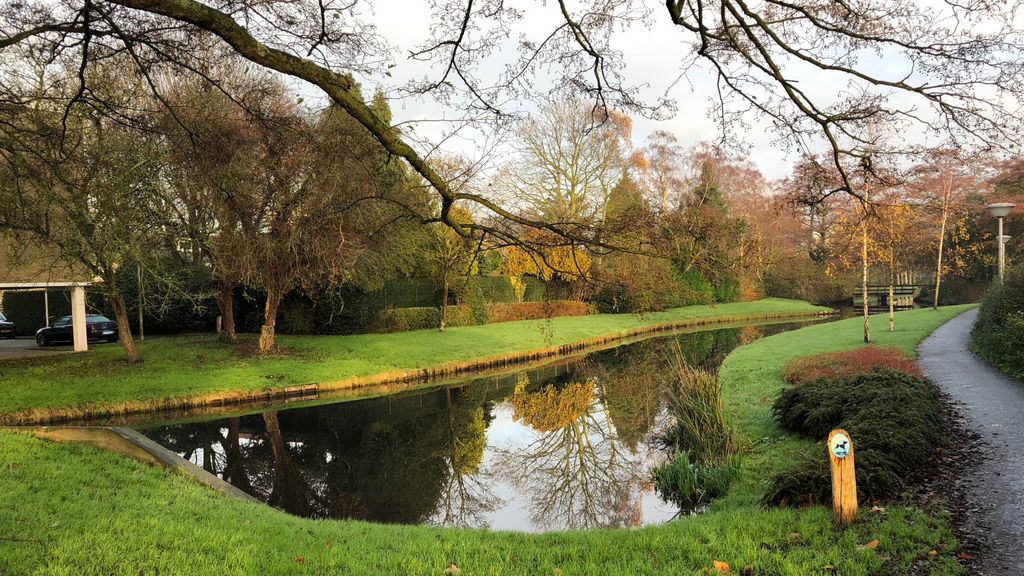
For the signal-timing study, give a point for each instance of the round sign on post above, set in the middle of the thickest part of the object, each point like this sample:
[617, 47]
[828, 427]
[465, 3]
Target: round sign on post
[844, 479]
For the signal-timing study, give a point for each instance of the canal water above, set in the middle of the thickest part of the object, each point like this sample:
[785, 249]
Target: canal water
[566, 446]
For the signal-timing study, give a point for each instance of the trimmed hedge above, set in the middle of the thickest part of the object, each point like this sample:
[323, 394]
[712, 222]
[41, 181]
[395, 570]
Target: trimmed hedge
[420, 318]
[428, 317]
[537, 310]
[998, 335]
[895, 420]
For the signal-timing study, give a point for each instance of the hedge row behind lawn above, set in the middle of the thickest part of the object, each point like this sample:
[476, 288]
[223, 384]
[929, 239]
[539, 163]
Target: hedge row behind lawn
[894, 417]
[998, 335]
[424, 318]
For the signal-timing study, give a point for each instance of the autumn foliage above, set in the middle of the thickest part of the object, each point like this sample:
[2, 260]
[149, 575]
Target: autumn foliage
[849, 363]
[552, 407]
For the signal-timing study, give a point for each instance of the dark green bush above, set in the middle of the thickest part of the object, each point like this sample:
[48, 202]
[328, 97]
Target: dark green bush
[420, 318]
[998, 335]
[296, 315]
[345, 309]
[474, 298]
[535, 289]
[693, 288]
[409, 293]
[727, 289]
[894, 418]
[404, 319]
[495, 289]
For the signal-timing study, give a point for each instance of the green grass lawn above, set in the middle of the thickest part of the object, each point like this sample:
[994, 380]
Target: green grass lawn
[195, 365]
[70, 509]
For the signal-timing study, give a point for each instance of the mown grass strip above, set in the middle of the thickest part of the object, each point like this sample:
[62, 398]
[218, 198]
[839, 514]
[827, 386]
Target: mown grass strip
[69, 509]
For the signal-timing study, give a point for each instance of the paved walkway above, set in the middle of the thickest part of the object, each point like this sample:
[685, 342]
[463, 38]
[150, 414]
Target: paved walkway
[993, 406]
[25, 347]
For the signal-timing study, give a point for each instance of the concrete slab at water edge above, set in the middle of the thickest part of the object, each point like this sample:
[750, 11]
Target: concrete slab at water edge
[993, 406]
[128, 442]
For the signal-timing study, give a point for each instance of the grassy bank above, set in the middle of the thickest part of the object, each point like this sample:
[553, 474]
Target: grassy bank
[68, 509]
[190, 366]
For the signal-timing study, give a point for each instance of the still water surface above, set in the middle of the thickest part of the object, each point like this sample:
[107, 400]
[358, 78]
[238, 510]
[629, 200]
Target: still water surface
[567, 446]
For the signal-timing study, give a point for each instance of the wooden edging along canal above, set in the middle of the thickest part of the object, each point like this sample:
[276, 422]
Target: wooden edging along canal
[286, 394]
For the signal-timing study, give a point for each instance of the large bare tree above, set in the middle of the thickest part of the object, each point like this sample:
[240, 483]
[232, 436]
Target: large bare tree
[959, 74]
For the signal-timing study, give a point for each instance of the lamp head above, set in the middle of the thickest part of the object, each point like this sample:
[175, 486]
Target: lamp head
[1000, 210]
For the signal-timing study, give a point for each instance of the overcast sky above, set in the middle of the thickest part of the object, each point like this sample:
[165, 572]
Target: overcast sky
[652, 54]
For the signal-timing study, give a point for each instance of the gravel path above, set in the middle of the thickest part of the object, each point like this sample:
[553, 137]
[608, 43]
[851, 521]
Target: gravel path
[992, 405]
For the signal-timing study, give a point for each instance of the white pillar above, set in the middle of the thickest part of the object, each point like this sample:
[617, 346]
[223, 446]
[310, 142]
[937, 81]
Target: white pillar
[78, 319]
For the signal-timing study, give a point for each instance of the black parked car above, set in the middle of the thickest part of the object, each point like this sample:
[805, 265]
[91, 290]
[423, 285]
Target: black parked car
[60, 330]
[6, 327]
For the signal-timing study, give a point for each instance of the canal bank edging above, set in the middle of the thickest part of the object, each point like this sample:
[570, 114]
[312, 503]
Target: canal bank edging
[43, 416]
[128, 442]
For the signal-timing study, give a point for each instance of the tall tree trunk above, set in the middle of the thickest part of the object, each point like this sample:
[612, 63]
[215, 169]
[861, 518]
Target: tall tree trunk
[938, 260]
[269, 320]
[226, 305]
[444, 300]
[234, 469]
[864, 277]
[124, 329]
[289, 489]
[892, 288]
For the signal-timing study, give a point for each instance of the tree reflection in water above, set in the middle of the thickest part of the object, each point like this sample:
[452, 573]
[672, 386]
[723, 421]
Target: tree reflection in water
[575, 473]
[565, 446]
[466, 496]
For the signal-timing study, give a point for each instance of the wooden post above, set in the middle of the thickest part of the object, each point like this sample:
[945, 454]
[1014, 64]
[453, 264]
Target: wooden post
[844, 479]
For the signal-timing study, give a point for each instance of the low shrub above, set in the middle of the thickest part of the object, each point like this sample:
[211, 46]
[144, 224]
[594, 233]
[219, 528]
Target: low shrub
[727, 289]
[848, 363]
[535, 310]
[999, 331]
[402, 319]
[420, 318]
[690, 483]
[693, 288]
[474, 299]
[895, 420]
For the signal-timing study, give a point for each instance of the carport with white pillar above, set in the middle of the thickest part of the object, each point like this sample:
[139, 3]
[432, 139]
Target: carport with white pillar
[78, 327]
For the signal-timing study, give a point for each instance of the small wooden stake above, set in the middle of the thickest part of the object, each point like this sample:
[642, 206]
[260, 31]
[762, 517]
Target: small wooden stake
[844, 479]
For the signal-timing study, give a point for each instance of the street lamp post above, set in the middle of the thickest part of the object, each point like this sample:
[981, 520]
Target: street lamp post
[1000, 211]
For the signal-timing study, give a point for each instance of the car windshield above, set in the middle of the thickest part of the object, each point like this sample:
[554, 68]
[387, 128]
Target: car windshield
[2, 317]
[96, 319]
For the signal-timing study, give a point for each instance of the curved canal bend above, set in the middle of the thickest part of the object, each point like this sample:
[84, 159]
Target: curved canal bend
[566, 446]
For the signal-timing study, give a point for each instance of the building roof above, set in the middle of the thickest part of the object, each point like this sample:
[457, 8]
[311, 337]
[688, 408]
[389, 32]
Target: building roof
[36, 264]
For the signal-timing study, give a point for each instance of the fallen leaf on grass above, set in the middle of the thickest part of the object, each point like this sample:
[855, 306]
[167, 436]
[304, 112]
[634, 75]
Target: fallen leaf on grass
[453, 570]
[721, 567]
[878, 510]
[869, 546]
[965, 556]
[933, 552]
[300, 559]
[794, 536]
